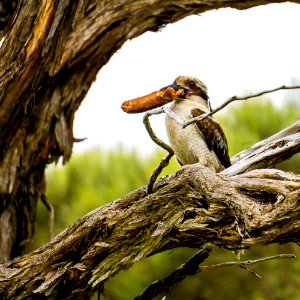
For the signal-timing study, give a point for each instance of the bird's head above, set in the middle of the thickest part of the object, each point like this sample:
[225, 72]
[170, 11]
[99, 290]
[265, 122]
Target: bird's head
[194, 89]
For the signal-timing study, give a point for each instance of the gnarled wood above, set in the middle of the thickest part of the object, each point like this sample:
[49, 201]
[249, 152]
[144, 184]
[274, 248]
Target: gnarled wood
[188, 209]
[194, 207]
[51, 53]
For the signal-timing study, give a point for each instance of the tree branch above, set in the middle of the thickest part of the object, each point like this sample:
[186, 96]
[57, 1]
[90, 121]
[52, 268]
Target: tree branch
[49, 58]
[245, 262]
[268, 152]
[191, 267]
[150, 131]
[51, 210]
[165, 161]
[238, 98]
[191, 208]
[290, 132]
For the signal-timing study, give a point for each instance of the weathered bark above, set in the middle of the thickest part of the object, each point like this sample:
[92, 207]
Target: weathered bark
[191, 208]
[50, 56]
[268, 152]
[188, 209]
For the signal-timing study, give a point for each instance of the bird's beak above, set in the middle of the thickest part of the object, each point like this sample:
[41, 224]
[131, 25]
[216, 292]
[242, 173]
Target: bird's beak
[176, 89]
[173, 86]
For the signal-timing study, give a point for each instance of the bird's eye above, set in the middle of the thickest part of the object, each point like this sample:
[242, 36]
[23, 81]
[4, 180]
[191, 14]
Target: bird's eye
[191, 85]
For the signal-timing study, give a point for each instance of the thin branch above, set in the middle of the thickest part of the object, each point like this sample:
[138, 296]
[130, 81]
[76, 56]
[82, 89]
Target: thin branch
[250, 271]
[173, 116]
[244, 262]
[150, 131]
[78, 140]
[237, 98]
[190, 267]
[51, 210]
[165, 161]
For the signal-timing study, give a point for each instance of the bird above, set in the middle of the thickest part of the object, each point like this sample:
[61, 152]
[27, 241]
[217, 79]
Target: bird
[203, 141]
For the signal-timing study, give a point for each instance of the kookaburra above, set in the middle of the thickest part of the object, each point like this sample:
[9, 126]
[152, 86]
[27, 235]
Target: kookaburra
[201, 142]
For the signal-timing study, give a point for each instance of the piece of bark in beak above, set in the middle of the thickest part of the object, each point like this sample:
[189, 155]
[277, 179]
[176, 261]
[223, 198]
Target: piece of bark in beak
[152, 100]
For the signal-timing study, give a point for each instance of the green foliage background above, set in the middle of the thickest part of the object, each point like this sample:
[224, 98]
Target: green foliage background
[97, 177]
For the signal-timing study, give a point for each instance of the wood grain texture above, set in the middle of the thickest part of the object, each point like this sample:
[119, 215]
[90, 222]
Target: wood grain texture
[49, 58]
[189, 209]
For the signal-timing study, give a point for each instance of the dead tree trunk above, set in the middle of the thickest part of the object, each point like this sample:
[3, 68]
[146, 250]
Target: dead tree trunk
[50, 55]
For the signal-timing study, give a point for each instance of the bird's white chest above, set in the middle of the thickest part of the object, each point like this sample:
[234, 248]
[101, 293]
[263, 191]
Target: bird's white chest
[188, 143]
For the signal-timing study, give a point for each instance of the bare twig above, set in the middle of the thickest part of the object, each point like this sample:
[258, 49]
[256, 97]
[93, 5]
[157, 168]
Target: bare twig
[244, 262]
[150, 131]
[237, 98]
[51, 210]
[250, 271]
[190, 267]
[173, 116]
[165, 161]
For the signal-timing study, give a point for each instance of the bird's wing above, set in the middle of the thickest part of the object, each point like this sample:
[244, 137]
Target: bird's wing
[214, 137]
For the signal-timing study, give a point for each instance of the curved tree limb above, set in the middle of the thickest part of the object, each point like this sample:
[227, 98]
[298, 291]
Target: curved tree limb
[191, 208]
[267, 152]
[165, 161]
[51, 54]
[277, 140]
[49, 57]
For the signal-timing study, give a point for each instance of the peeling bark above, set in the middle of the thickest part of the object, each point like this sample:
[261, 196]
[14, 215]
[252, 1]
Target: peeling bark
[51, 54]
[268, 152]
[189, 209]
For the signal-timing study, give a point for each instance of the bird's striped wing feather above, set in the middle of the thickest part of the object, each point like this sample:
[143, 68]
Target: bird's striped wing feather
[214, 137]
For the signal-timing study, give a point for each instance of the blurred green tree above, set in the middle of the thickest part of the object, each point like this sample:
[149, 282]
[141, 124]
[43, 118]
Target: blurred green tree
[96, 177]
